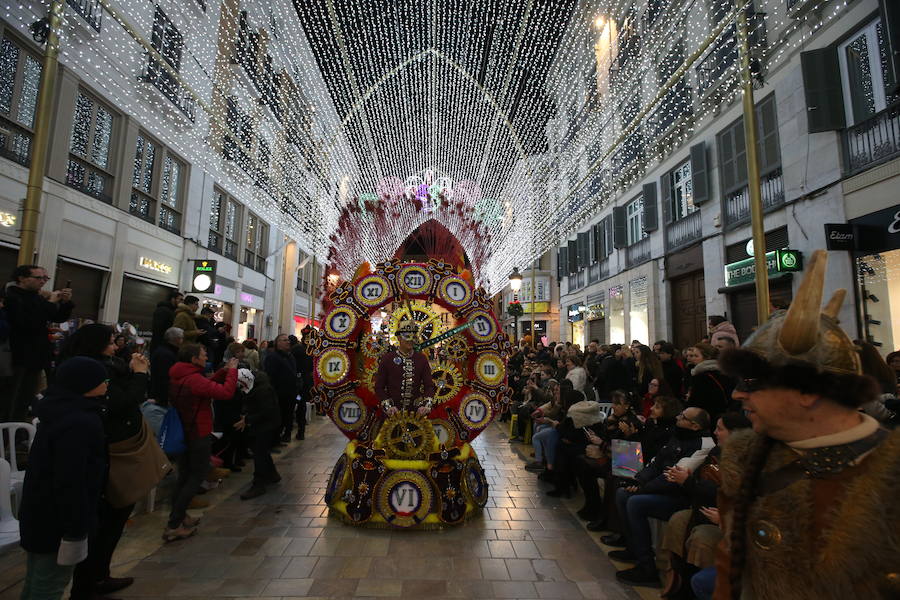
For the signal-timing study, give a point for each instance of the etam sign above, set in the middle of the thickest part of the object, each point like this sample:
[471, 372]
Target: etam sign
[850, 237]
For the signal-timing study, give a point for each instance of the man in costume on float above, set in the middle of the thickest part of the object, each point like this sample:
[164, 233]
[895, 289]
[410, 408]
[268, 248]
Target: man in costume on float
[403, 380]
[809, 498]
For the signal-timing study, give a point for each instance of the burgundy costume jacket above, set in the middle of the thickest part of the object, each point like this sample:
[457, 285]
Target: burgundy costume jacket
[404, 382]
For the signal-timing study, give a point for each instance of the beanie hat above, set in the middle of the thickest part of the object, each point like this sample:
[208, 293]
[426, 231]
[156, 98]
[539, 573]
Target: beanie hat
[80, 374]
[245, 380]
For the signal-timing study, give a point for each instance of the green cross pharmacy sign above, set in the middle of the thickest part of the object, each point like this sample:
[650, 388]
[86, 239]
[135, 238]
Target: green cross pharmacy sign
[777, 261]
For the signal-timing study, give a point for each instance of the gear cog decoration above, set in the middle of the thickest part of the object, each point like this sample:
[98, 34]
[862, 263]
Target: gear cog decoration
[373, 345]
[456, 348]
[407, 435]
[428, 320]
[447, 379]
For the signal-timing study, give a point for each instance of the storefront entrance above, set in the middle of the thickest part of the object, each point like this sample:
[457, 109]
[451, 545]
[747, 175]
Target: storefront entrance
[139, 300]
[88, 287]
[688, 309]
[743, 304]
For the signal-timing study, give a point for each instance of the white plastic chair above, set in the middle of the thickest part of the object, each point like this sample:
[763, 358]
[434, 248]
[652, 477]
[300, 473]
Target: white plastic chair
[9, 526]
[8, 433]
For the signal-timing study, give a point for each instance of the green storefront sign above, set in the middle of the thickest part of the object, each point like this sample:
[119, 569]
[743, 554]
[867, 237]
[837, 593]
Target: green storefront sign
[777, 261]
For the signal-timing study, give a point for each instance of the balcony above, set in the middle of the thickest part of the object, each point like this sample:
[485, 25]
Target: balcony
[684, 231]
[89, 10]
[15, 142]
[873, 141]
[737, 203]
[637, 253]
[166, 85]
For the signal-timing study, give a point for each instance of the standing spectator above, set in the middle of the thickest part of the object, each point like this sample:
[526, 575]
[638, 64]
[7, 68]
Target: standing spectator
[673, 369]
[164, 317]
[893, 361]
[122, 421]
[725, 342]
[5, 355]
[719, 327]
[261, 421]
[29, 309]
[121, 348]
[213, 336]
[66, 470]
[710, 389]
[184, 319]
[281, 368]
[252, 354]
[578, 376]
[191, 393]
[648, 368]
[305, 371]
[162, 359]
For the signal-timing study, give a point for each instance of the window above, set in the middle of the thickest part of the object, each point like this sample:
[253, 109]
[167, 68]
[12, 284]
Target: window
[224, 224]
[257, 243]
[88, 169]
[864, 71]
[169, 42]
[20, 78]
[239, 135]
[634, 221]
[732, 147]
[157, 185]
[681, 191]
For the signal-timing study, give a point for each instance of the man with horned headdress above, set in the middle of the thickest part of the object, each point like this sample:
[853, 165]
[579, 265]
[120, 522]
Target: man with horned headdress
[809, 498]
[403, 380]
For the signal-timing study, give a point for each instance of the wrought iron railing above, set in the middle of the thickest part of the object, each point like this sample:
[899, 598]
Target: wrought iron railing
[89, 10]
[161, 79]
[873, 141]
[737, 203]
[684, 231]
[638, 252]
[15, 142]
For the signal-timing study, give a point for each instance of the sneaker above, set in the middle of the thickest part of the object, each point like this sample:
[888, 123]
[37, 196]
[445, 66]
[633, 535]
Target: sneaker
[255, 491]
[645, 575]
[534, 466]
[198, 503]
[614, 539]
[179, 533]
[113, 584]
[622, 556]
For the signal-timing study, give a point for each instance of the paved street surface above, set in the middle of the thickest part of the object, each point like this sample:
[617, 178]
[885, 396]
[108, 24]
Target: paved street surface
[283, 545]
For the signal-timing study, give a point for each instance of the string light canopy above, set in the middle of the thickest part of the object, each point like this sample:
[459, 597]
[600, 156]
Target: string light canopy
[523, 117]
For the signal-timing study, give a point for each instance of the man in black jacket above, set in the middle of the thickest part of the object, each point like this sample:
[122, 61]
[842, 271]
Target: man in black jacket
[655, 495]
[305, 375]
[29, 309]
[162, 359]
[281, 368]
[261, 420]
[164, 317]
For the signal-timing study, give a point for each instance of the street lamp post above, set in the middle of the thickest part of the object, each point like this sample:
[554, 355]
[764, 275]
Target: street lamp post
[515, 282]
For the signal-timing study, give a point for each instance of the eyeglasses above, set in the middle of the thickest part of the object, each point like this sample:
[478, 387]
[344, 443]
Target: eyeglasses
[681, 415]
[41, 277]
[749, 385]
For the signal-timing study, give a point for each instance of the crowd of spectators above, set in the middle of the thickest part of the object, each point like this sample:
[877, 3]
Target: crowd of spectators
[676, 406]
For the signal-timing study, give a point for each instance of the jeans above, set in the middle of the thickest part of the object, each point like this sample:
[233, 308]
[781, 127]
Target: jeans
[704, 583]
[263, 466]
[544, 441]
[636, 510]
[44, 579]
[192, 468]
[101, 546]
[587, 470]
[300, 411]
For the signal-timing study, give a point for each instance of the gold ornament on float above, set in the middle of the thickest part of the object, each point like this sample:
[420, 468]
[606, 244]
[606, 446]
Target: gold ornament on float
[406, 435]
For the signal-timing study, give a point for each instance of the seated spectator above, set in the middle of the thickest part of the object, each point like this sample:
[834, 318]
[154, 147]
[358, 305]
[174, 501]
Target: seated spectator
[659, 428]
[581, 415]
[652, 494]
[673, 368]
[691, 535]
[710, 389]
[577, 374]
[648, 368]
[655, 389]
[65, 475]
[122, 349]
[546, 418]
[191, 393]
[261, 421]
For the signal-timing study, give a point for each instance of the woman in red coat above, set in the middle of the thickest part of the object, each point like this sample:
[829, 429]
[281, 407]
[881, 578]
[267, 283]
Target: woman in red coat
[192, 393]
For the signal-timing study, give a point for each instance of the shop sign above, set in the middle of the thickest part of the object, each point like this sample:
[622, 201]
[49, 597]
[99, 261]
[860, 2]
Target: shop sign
[7, 219]
[539, 307]
[595, 312]
[204, 276]
[154, 265]
[777, 261]
[839, 236]
[576, 312]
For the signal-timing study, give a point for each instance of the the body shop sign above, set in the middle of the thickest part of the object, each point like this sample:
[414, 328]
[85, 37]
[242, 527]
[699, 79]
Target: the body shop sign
[777, 261]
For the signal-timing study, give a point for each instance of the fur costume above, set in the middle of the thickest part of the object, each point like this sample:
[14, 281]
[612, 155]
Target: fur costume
[840, 538]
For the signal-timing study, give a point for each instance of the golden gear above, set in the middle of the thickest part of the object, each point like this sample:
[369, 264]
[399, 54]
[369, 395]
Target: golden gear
[404, 498]
[406, 435]
[427, 319]
[456, 348]
[373, 345]
[448, 380]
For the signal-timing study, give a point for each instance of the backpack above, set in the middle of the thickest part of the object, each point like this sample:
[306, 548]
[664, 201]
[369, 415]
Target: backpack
[171, 433]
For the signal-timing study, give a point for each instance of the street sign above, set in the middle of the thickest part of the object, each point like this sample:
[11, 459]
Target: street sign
[203, 278]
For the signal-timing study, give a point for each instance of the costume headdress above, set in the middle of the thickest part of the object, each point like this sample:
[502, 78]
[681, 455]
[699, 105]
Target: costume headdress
[408, 328]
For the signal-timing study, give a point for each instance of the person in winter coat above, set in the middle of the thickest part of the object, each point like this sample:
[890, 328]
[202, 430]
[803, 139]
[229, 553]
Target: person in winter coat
[673, 369]
[65, 475]
[573, 440]
[123, 420]
[710, 389]
[164, 317]
[161, 360]
[191, 394]
[719, 327]
[29, 309]
[577, 374]
[185, 319]
[261, 421]
[305, 374]
[281, 368]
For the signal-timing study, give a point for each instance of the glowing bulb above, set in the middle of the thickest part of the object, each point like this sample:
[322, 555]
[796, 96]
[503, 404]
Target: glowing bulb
[599, 22]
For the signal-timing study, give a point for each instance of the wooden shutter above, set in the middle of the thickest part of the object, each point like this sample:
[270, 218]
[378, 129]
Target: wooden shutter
[582, 250]
[767, 130]
[822, 89]
[608, 235]
[562, 262]
[651, 207]
[890, 23]
[620, 232]
[665, 187]
[573, 257]
[699, 174]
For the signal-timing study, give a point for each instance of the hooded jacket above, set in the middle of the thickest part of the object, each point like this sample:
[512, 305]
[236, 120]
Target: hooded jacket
[192, 394]
[710, 389]
[724, 329]
[184, 319]
[66, 472]
[28, 314]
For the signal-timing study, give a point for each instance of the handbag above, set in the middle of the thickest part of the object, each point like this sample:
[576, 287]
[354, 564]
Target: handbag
[136, 465]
